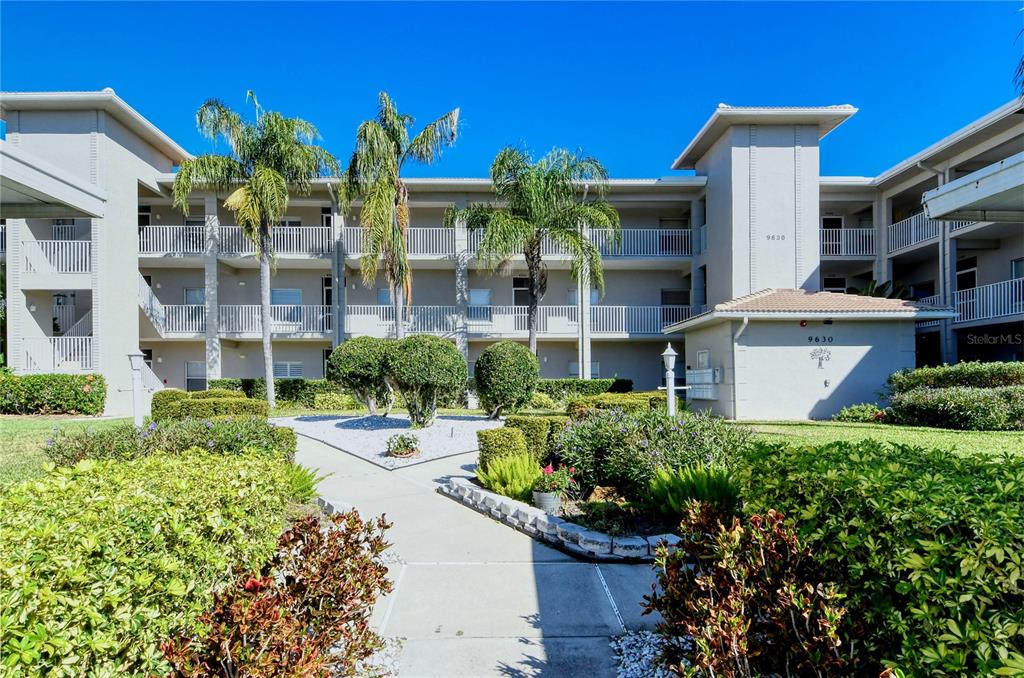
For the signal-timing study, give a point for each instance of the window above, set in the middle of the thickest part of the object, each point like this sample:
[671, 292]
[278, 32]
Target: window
[147, 357]
[383, 296]
[833, 284]
[288, 370]
[479, 305]
[1017, 269]
[326, 217]
[195, 376]
[285, 297]
[595, 296]
[595, 370]
[327, 290]
[703, 359]
[521, 291]
[145, 215]
[922, 289]
[195, 296]
[967, 273]
[671, 297]
[326, 358]
[195, 221]
[831, 222]
[672, 223]
[290, 221]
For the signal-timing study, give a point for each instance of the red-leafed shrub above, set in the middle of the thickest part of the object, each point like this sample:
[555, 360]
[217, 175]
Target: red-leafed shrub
[306, 613]
[748, 598]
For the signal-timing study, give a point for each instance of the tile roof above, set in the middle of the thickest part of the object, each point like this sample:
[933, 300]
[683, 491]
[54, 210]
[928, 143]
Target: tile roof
[801, 301]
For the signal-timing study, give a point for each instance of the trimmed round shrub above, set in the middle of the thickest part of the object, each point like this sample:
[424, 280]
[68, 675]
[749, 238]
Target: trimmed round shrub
[164, 400]
[506, 375]
[961, 407]
[216, 393]
[499, 442]
[358, 366]
[538, 432]
[561, 389]
[425, 370]
[864, 413]
[217, 407]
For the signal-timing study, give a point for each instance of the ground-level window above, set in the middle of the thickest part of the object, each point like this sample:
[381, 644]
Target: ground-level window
[595, 370]
[288, 370]
[195, 376]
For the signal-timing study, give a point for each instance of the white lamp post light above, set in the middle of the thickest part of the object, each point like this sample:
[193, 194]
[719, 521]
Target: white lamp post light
[669, 358]
[137, 360]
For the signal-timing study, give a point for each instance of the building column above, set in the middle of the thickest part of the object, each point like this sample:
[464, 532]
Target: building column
[339, 288]
[583, 304]
[462, 255]
[947, 284]
[698, 290]
[211, 283]
[15, 296]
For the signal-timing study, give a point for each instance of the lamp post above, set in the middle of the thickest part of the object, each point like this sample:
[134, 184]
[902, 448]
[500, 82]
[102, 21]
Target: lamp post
[669, 358]
[137, 360]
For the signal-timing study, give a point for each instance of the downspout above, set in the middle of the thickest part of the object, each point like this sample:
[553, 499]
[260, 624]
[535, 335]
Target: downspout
[735, 337]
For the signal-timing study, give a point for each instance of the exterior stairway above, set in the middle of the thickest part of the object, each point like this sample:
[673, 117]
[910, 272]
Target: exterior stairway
[152, 307]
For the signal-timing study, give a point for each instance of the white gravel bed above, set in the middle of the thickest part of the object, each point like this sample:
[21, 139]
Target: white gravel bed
[636, 655]
[366, 436]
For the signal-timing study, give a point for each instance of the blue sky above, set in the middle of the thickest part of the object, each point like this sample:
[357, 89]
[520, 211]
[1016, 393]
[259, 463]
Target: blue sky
[629, 83]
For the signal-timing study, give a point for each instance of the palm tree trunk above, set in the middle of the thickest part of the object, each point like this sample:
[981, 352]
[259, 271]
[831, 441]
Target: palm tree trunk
[398, 306]
[533, 263]
[265, 319]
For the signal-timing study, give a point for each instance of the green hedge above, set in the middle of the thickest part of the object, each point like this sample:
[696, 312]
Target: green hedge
[560, 389]
[926, 544]
[228, 435]
[218, 407]
[102, 562]
[639, 401]
[301, 391]
[539, 432]
[499, 442]
[216, 393]
[335, 401]
[52, 394]
[961, 407]
[976, 374]
[164, 402]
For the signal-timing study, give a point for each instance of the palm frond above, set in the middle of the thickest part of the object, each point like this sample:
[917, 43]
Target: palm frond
[211, 172]
[426, 147]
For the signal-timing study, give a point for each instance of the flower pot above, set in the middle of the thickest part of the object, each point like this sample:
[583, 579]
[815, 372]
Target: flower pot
[411, 454]
[549, 502]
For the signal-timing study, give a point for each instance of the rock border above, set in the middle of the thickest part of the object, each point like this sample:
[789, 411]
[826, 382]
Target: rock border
[566, 536]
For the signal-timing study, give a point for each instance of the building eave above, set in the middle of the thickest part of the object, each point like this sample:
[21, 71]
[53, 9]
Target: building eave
[993, 193]
[714, 317]
[49, 191]
[827, 118]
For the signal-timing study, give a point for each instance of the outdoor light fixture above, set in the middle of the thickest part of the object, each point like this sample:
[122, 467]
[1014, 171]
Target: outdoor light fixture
[241, 283]
[803, 323]
[669, 358]
[242, 356]
[32, 308]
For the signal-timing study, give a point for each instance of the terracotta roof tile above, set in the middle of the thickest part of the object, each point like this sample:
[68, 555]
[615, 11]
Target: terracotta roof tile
[801, 301]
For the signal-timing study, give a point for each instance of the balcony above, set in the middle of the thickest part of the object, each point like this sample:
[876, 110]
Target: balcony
[847, 242]
[633, 242]
[998, 300]
[172, 240]
[311, 241]
[57, 354]
[511, 321]
[287, 320]
[57, 256]
[918, 229]
[432, 241]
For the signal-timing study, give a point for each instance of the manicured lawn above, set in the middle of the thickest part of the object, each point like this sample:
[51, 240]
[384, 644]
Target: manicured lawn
[816, 433]
[23, 438]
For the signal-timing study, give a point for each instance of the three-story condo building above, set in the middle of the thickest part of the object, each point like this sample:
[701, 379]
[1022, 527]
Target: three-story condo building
[100, 265]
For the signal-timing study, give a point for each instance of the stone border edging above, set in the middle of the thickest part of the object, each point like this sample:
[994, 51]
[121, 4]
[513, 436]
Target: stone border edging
[574, 539]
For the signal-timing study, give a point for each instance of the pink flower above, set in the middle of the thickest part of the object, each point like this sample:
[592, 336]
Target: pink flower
[548, 470]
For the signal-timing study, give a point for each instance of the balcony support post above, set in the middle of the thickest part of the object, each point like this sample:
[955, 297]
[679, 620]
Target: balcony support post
[462, 255]
[16, 304]
[583, 321]
[339, 290]
[947, 292]
[210, 281]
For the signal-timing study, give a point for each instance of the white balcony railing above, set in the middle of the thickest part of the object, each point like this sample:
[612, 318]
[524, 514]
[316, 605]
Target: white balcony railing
[288, 240]
[847, 242]
[644, 242]
[172, 240]
[57, 354]
[81, 328]
[435, 241]
[929, 301]
[63, 317]
[285, 319]
[990, 301]
[3, 239]
[184, 319]
[918, 229]
[376, 320]
[57, 256]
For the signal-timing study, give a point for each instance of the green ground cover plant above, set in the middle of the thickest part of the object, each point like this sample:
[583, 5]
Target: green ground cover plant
[102, 561]
[23, 442]
[52, 394]
[512, 475]
[820, 433]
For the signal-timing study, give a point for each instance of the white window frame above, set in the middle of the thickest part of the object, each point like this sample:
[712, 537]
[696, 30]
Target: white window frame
[288, 369]
[574, 298]
[326, 284]
[383, 296]
[704, 359]
[826, 288]
[287, 222]
[184, 295]
[595, 370]
[203, 378]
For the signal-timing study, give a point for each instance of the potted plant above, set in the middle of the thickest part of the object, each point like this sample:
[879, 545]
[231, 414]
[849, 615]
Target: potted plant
[551, 486]
[403, 446]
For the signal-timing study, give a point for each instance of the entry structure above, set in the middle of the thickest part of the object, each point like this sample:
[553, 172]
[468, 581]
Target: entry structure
[798, 354]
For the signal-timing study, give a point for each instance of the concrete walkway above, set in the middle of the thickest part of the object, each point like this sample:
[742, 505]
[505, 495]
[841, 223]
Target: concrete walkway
[473, 597]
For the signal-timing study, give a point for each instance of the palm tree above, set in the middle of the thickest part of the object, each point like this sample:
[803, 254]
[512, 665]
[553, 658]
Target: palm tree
[375, 174]
[538, 201]
[267, 160]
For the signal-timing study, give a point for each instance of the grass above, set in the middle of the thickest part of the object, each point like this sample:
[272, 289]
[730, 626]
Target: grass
[23, 439]
[819, 432]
